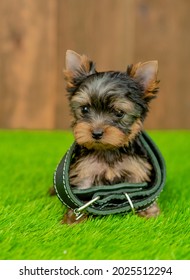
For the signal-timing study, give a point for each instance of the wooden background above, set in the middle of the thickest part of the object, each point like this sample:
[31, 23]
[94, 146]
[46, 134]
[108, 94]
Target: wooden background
[34, 35]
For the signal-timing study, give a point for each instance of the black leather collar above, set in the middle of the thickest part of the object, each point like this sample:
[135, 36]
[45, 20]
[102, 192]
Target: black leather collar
[119, 198]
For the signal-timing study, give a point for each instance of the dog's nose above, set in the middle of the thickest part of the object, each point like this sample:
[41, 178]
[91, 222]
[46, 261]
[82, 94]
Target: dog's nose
[97, 134]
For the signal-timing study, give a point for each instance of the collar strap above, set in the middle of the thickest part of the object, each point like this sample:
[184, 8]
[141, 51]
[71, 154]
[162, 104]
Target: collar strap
[119, 198]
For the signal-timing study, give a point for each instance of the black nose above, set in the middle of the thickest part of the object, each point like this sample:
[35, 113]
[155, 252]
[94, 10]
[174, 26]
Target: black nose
[97, 134]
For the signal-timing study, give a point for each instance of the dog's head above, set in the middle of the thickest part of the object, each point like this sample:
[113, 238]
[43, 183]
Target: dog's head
[108, 107]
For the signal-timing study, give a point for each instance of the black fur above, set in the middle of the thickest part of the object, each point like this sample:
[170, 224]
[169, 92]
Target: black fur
[104, 89]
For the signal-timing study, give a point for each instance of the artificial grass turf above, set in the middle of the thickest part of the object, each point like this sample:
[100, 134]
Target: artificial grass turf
[30, 219]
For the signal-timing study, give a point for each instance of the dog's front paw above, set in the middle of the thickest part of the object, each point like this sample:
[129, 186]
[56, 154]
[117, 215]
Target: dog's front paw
[70, 218]
[52, 191]
[152, 211]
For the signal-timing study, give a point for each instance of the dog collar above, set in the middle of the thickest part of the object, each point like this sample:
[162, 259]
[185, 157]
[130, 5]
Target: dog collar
[111, 199]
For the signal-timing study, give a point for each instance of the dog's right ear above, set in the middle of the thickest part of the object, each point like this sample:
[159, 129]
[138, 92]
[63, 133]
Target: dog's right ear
[78, 68]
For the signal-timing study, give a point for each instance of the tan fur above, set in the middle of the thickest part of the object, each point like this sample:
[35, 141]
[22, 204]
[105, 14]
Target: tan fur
[84, 66]
[82, 133]
[152, 211]
[68, 75]
[133, 69]
[106, 162]
[85, 63]
[135, 129]
[152, 86]
[124, 105]
[81, 98]
[112, 137]
[84, 171]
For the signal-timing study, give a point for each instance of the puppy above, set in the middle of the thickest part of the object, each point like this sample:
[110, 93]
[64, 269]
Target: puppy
[108, 110]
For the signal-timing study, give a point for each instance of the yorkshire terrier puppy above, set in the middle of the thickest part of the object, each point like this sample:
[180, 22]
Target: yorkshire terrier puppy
[108, 111]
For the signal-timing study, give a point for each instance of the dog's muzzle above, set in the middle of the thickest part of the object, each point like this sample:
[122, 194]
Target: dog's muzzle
[111, 199]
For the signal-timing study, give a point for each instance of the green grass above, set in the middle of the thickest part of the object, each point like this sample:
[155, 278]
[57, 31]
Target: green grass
[30, 225]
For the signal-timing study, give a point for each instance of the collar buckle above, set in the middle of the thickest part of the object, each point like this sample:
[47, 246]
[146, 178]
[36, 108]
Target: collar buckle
[79, 212]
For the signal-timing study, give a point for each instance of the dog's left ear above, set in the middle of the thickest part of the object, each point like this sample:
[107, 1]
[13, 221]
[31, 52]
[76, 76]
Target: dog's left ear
[146, 75]
[78, 67]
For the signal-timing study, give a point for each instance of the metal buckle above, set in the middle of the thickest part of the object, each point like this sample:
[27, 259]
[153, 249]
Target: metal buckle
[130, 203]
[79, 212]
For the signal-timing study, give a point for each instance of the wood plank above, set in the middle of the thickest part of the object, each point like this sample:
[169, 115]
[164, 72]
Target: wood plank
[36, 34]
[103, 30]
[162, 33]
[28, 63]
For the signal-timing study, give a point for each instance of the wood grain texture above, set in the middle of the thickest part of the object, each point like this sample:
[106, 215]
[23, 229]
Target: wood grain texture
[35, 34]
[28, 63]
[103, 30]
[162, 33]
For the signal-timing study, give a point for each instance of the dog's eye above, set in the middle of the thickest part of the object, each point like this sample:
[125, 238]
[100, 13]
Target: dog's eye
[119, 114]
[85, 110]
